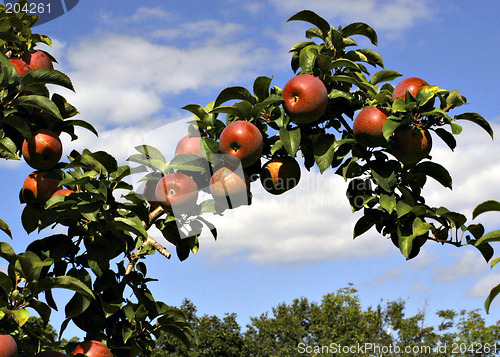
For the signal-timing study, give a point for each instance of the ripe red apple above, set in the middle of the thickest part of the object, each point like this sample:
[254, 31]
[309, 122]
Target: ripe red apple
[21, 66]
[37, 189]
[37, 59]
[412, 84]
[93, 348]
[241, 141]
[305, 98]
[43, 150]
[280, 175]
[50, 354]
[189, 145]
[367, 126]
[177, 191]
[410, 144]
[229, 188]
[8, 346]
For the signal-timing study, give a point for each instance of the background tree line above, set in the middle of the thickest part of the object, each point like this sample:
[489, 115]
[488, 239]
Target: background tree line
[340, 319]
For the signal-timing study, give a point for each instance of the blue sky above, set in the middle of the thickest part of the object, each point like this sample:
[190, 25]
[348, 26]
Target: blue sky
[135, 64]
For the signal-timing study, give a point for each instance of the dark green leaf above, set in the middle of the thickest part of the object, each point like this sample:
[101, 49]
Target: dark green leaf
[384, 75]
[234, 93]
[46, 76]
[360, 28]
[261, 87]
[62, 282]
[5, 227]
[493, 236]
[312, 18]
[447, 137]
[486, 206]
[478, 119]
[493, 293]
[436, 171]
[39, 102]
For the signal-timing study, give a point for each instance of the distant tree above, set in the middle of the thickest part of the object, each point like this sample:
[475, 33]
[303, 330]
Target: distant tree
[337, 326]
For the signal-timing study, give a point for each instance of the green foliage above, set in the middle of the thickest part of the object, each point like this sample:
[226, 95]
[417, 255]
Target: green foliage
[100, 251]
[338, 325]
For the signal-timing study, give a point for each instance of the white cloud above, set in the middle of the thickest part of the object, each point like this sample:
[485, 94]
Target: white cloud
[124, 79]
[382, 15]
[466, 264]
[483, 287]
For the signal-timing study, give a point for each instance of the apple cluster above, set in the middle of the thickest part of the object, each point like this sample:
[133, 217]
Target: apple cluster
[409, 143]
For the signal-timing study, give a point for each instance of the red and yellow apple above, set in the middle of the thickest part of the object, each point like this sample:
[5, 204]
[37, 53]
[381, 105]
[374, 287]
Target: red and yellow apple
[280, 175]
[367, 126]
[412, 84]
[37, 59]
[305, 98]
[43, 150]
[8, 346]
[230, 189]
[241, 141]
[92, 348]
[410, 144]
[37, 189]
[177, 192]
[21, 67]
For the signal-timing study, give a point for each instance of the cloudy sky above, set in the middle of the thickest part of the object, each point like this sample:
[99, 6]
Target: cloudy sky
[134, 65]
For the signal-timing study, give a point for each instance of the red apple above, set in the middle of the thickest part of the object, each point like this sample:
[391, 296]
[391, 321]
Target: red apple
[410, 144]
[177, 191]
[37, 59]
[229, 188]
[93, 348]
[280, 175]
[305, 98]
[189, 145]
[8, 346]
[367, 126]
[50, 354]
[43, 150]
[21, 66]
[412, 84]
[37, 189]
[241, 141]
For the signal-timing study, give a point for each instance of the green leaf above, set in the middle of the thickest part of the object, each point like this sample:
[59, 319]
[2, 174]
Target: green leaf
[30, 218]
[388, 202]
[20, 316]
[40, 102]
[312, 18]
[403, 208]
[8, 149]
[324, 151]
[486, 206]
[436, 171]
[150, 152]
[197, 110]
[307, 57]
[61, 282]
[360, 28]
[447, 137]
[290, 140]
[454, 99]
[261, 87]
[384, 75]
[420, 227]
[232, 93]
[46, 76]
[130, 224]
[493, 236]
[188, 162]
[478, 119]
[5, 227]
[19, 124]
[364, 224]
[82, 124]
[493, 293]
